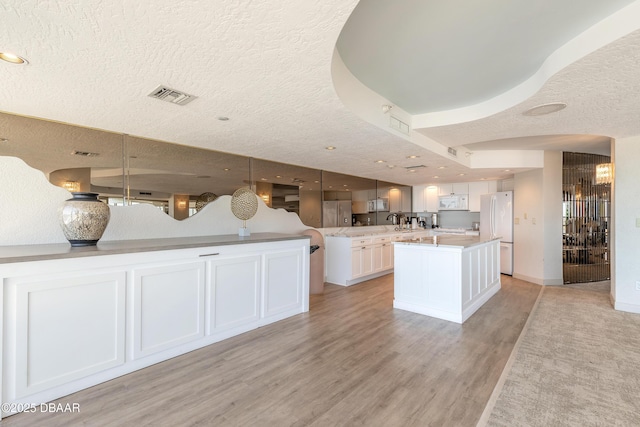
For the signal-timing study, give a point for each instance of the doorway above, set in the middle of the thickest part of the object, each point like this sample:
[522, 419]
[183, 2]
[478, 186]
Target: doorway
[586, 207]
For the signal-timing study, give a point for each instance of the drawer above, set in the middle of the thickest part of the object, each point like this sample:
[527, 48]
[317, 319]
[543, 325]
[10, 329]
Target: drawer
[382, 239]
[361, 241]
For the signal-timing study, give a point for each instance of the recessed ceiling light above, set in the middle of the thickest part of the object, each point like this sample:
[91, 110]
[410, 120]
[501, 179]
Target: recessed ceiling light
[436, 177]
[412, 157]
[507, 170]
[391, 166]
[541, 110]
[461, 174]
[344, 185]
[412, 170]
[379, 161]
[223, 118]
[278, 176]
[226, 169]
[4, 140]
[264, 179]
[317, 182]
[442, 167]
[482, 179]
[331, 147]
[14, 59]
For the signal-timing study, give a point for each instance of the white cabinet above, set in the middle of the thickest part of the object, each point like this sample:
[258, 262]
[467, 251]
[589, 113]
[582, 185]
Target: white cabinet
[60, 328]
[92, 319]
[455, 188]
[419, 198]
[282, 285]
[476, 190]
[361, 261]
[400, 199]
[168, 306]
[234, 292]
[431, 198]
[353, 260]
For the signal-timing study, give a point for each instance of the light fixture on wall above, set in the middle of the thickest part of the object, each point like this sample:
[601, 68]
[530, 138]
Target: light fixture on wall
[604, 173]
[182, 204]
[72, 186]
[386, 108]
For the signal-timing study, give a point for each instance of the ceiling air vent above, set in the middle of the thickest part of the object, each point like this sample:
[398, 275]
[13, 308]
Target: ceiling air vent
[173, 96]
[414, 167]
[453, 152]
[84, 153]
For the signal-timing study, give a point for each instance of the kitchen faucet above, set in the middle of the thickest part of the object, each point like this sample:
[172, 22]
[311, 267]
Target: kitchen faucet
[394, 218]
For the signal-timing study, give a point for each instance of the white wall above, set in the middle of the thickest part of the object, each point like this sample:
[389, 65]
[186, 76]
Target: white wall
[625, 267]
[537, 238]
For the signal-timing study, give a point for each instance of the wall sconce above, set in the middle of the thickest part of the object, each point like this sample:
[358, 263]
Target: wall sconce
[72, 186]
[265, 198]
[604, 173]
[182, 204]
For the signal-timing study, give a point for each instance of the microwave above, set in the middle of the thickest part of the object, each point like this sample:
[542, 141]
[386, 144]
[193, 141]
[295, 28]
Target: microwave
[379, 205]
[453, 202]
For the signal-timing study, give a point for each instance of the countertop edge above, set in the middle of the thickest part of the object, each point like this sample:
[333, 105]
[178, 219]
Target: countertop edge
[45, 252]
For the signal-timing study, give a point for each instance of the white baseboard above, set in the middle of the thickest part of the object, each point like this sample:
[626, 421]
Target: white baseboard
[622, 306]
[538, 280]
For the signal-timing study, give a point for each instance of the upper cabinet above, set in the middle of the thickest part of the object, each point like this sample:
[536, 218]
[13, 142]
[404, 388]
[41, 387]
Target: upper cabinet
[455, 188]
[425, 198]
[477, 189]
[400, 199]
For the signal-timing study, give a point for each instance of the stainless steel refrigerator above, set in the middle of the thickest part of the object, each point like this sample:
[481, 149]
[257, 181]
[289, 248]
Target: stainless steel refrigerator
[496, 220]
[336, 213]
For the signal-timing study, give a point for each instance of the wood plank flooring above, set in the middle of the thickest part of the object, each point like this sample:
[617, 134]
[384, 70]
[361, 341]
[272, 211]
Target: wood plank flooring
[352, 360]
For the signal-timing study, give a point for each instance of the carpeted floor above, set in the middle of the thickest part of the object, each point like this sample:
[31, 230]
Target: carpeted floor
[577, 363]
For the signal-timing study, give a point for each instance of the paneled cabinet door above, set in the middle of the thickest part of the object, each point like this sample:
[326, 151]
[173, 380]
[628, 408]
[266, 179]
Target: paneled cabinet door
[387, 256]
[367, 260]
[234, 292]
[356, 262]
[64, 327]
[168, 306]
[431, 197]
[282, 282]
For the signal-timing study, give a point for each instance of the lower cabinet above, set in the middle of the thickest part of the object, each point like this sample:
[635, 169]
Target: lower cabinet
[87, 322]
[353, 260]
[168, 307]
[60, 328]
[234, 292]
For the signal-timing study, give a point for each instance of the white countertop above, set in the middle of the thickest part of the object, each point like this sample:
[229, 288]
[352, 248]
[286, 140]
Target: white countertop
[455, 241]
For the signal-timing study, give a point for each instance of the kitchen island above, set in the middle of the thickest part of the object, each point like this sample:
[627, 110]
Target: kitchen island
[448, 277]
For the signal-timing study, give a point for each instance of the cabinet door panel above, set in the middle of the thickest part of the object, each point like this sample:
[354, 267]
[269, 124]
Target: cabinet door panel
[234, 297]
[387, 256]
[367, 260]
[283, 282]
[168, 306]
[66, 328]
[356, 262]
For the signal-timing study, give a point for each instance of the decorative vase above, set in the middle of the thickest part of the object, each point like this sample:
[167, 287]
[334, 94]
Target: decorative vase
[83, 219]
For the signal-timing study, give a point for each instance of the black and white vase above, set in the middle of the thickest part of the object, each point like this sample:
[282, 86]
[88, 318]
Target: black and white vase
[83, 219]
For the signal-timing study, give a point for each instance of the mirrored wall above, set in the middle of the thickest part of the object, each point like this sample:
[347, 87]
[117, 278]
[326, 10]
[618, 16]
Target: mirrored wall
[179, 179]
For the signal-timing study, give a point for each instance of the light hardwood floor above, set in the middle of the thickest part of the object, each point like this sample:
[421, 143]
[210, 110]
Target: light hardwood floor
[352, 360]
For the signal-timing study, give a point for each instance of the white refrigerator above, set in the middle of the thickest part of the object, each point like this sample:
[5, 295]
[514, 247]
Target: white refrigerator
[496, 220]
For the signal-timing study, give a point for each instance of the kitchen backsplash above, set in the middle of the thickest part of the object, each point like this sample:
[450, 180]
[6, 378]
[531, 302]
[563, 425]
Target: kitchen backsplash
[457, 219]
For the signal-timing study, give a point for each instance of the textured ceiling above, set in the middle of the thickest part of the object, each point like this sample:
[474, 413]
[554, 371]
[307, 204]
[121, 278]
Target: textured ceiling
[267, 66]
